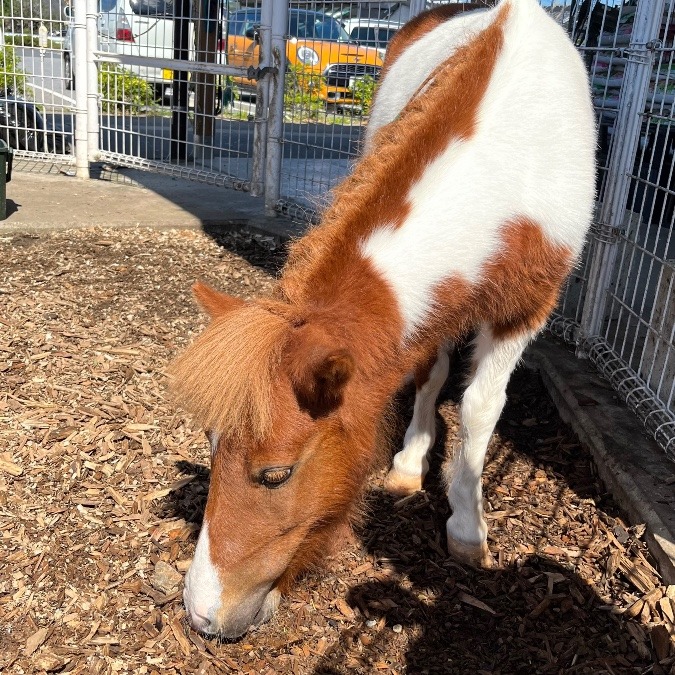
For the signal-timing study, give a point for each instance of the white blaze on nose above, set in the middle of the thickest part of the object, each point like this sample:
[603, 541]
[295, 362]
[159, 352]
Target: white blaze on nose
[202, 586]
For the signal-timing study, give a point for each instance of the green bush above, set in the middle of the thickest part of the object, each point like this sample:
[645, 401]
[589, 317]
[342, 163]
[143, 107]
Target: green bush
[11, 75]
[364, 91]
[122, 91]
[302, 92]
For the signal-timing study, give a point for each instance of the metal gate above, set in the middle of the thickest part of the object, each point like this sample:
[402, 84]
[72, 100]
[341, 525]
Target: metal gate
[620, 308]
[35, 109]
[159, 88]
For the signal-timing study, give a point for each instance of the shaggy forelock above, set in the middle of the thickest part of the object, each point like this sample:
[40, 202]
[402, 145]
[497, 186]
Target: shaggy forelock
[225, 378]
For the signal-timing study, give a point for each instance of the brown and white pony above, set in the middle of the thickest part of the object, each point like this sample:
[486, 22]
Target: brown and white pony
[466, 213]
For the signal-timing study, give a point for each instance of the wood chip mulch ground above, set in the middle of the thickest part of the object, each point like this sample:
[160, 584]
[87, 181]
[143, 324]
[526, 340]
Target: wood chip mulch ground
[103, 483]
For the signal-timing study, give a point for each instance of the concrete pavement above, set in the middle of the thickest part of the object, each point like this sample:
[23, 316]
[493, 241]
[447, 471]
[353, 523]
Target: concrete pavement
[132, 198]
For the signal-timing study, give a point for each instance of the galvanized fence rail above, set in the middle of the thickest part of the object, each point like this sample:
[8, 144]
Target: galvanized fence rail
[262, 96]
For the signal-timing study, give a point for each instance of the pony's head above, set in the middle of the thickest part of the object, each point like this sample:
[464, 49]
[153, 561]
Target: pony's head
[273, 390]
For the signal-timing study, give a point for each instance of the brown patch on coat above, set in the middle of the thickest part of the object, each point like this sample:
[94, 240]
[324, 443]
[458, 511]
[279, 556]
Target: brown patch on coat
[422, 24]
[376, 193]
[518, 290]
[424, 367]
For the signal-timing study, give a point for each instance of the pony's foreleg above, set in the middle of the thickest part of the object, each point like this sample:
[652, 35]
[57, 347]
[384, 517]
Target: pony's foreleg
[494, 359]
[411, 464]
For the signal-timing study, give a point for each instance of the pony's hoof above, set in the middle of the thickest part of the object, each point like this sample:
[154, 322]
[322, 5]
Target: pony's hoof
[475, 555]
[400, 484]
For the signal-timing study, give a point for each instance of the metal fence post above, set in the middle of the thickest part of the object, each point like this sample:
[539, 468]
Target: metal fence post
[626, 136]
[262, 101]
[80, 55]
[92, 81]
[417, 7]
[275, 128]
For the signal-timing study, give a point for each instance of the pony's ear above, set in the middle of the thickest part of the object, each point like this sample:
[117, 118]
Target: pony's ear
[318, 373]
[213, 302]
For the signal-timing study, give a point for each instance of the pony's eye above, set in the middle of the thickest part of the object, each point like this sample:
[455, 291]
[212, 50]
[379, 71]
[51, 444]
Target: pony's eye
[274, 477]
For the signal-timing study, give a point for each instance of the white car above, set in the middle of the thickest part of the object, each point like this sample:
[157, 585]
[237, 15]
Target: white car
[141, 28]
[371, 32]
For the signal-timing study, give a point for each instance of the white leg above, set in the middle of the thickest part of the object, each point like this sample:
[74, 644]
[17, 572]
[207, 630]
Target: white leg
[411, 464]
[494, 360]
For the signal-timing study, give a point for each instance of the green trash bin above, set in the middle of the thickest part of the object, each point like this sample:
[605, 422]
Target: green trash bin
[6, 156]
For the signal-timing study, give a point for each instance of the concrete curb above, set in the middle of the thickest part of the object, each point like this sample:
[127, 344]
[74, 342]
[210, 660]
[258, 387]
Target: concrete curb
[634, 469]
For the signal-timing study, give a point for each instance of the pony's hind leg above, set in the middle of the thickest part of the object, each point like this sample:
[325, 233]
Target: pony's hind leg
[494, 359]
[411, 464]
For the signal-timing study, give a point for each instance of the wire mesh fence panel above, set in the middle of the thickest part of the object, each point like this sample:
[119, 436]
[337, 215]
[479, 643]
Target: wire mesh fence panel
[335, 54]
[166, 101]
[640, 317]
[631, 341]
[35, 106]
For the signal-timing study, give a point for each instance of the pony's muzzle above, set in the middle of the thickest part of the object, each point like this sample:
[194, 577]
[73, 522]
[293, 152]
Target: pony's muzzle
[235, 619]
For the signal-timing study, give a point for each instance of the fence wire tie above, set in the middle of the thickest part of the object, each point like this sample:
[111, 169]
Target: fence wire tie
[641, 53]
[605, 233]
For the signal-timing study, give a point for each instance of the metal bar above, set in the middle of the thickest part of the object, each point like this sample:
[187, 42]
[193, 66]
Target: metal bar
[627, 131]
[92, 81]
[190, 173]
[80, 57]
[179, 96]
[170, 64]
[262, 101]
[276, 120]
[417, 7]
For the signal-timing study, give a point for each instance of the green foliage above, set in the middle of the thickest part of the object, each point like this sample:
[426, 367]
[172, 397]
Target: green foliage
[364, 91]
[122, 91]
[30, 41]
[11, 75]
[302, 93]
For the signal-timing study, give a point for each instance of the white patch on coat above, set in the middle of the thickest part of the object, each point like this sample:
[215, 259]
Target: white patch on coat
[482, 404]
[532, 155]
[202, 593]
[421, 433]
[401, 81]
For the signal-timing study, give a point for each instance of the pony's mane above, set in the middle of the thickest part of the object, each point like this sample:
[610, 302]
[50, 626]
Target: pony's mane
[225, 377]
[376, 192]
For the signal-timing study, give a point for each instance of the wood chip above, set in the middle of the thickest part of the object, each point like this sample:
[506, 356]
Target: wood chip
[11, 468]
[177, 630]
[474, 602]
[35, 640]
[344, 608]
[660, 641]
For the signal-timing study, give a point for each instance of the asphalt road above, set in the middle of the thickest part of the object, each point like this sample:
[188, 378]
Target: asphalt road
[44, 70]
[149, 136]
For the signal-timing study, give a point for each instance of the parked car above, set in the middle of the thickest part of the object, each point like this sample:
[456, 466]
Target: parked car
[141, 28]
[23, 127]
[371, 32]
[317, 43]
